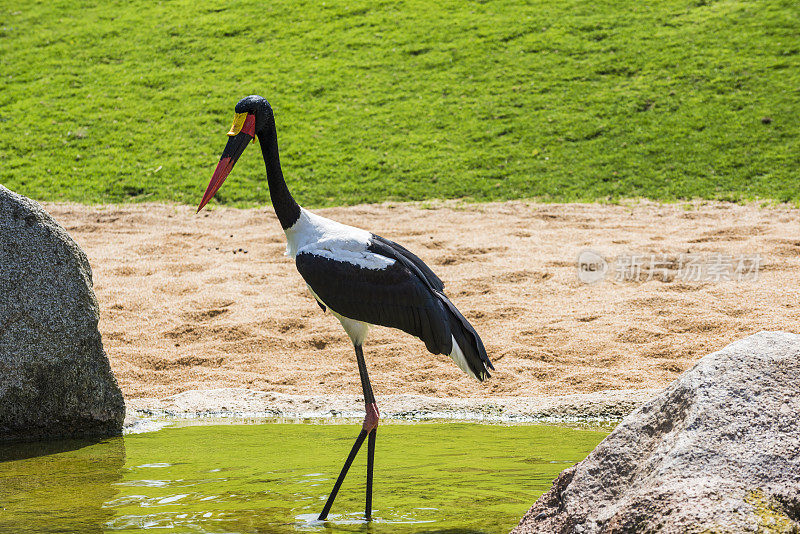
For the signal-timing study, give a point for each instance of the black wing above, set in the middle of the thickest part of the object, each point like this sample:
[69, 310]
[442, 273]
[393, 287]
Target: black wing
[406, 295]
[390, 249]
[463, 332]
[395, 297]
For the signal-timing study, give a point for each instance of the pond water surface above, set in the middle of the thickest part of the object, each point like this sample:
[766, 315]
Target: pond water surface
[274, 478]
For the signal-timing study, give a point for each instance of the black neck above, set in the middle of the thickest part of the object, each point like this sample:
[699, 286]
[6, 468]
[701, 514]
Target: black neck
[285, 207]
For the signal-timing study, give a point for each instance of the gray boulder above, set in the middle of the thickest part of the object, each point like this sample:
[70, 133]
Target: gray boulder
[718, 451]
[55, 379]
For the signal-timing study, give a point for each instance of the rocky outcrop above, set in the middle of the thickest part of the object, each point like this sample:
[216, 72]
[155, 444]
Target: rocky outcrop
[718, 451]
[55, 379]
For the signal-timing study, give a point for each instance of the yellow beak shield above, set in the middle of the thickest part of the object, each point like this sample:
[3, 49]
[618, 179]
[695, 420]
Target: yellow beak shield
[238, 123]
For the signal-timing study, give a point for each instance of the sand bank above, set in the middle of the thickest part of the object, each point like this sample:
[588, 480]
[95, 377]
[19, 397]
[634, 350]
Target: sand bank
[209, 301]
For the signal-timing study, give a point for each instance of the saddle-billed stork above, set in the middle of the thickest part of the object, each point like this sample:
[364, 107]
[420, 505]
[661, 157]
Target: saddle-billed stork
[359, 277]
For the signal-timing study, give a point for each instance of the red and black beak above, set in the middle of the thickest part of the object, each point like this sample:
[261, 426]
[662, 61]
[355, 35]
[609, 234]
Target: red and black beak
[241, 133]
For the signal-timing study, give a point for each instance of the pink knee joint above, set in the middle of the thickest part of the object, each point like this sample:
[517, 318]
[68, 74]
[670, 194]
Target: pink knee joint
[372, 417]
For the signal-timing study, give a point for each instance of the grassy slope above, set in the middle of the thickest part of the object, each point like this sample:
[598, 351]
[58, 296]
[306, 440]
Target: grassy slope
[567, 100]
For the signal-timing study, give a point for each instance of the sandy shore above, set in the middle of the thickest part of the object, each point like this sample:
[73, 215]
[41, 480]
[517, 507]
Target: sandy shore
[200, 302]
[239, 403]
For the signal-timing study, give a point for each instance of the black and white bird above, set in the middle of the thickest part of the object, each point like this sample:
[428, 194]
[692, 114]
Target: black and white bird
[361, 278]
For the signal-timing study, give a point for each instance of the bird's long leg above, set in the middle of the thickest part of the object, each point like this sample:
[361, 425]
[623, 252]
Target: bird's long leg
[370, 463]
[370, 424]
[346, 467]
[367, 429]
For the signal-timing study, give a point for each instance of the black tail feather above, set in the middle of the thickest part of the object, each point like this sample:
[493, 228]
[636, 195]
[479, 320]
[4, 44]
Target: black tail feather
[468, 340]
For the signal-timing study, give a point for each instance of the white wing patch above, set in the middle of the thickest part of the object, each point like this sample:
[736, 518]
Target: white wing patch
[323, 237]
[364, 258]
[311, 228]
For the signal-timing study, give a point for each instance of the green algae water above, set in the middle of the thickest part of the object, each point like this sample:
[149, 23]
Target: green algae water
[274, 478]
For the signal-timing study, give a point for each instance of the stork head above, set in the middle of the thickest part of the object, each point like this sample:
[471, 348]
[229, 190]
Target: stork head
[252, 117]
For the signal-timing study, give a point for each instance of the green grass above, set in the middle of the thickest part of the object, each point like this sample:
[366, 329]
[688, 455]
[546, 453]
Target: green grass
[563, 101]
